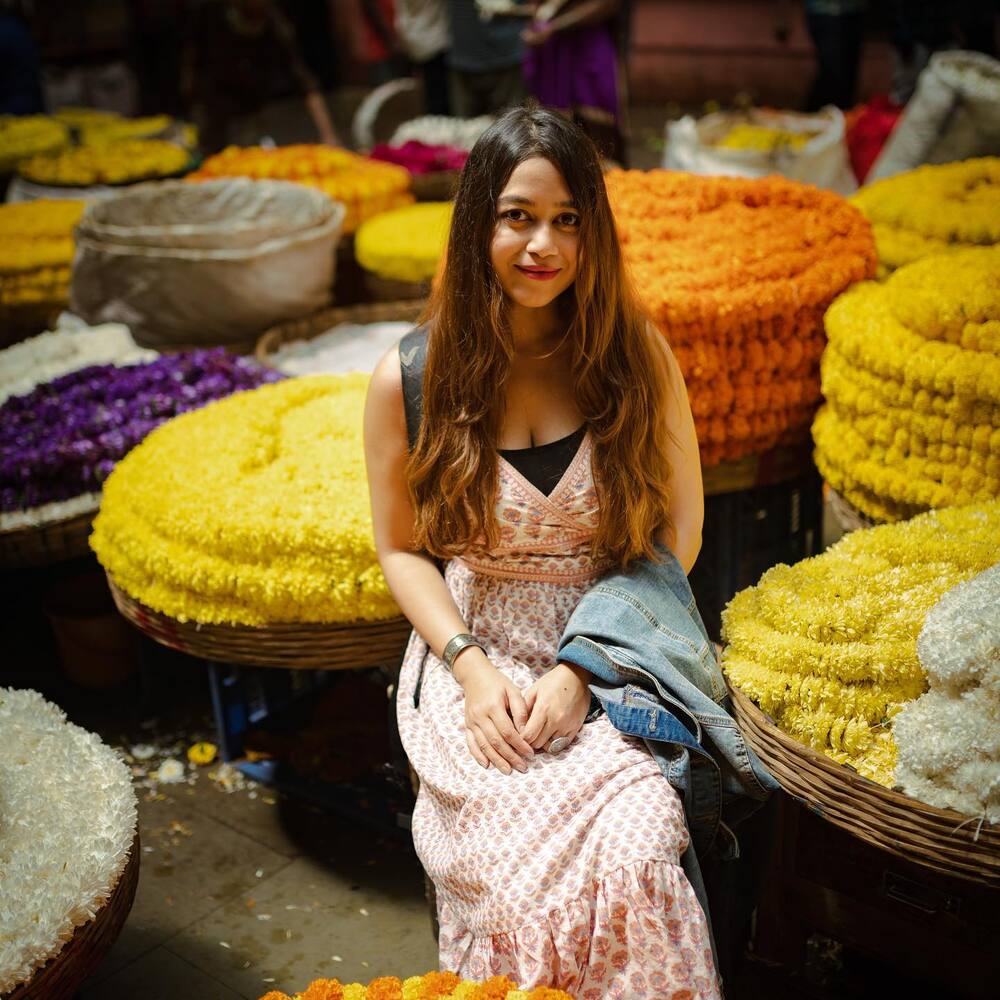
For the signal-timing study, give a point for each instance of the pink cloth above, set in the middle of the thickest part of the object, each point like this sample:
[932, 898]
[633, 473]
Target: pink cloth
[566, 876]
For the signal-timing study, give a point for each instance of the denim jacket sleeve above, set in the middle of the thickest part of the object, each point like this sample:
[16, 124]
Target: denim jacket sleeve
[656, 674]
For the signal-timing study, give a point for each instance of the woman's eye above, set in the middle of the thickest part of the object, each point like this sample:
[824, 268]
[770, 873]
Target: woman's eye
[515, 215]
[569, 219]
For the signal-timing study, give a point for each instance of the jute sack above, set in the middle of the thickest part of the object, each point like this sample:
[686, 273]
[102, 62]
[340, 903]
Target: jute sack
[205, 264]
[953, 115]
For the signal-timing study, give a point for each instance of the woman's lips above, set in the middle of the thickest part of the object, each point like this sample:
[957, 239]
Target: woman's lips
[538, 274]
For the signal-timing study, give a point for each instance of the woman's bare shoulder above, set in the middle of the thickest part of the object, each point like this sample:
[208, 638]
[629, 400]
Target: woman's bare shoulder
[384, 407]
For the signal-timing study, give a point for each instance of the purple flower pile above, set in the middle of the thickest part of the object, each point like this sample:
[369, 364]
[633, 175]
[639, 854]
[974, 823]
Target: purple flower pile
[64, 438]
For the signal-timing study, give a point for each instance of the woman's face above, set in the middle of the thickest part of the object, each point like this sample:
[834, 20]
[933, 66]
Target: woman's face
[537, 234]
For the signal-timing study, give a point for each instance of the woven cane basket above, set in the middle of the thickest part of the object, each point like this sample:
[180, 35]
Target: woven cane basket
[44, 544]
[319, 323]
[940, 839]
[295, 644]
[61, 977]
[438, 185]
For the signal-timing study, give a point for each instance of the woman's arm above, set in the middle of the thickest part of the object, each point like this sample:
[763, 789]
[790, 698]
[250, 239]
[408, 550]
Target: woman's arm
[687, 496]
[493, 703]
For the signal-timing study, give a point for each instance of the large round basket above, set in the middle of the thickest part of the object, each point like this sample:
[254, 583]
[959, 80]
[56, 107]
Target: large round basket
[61, 977]
[407, 311]
[45, 544]
[940, 839]
[295, 644]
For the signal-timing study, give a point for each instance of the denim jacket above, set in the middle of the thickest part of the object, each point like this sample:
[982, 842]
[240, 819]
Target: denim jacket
[657, 676]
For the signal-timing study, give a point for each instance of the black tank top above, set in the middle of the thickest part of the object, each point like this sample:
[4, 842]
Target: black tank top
[542, 465]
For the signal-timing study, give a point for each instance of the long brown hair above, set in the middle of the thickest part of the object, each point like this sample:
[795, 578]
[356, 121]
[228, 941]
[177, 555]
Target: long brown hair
[620, 374]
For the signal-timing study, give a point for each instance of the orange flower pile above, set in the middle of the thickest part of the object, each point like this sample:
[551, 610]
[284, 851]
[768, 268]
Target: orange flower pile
[366, 187]
[737, 274]
[432, 986]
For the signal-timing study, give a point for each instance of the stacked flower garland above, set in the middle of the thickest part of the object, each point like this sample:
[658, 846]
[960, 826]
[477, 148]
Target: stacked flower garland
[66, 349]
[68, 815]
[365, 186]
[737, 273]
[407, 244]
[949, 738]
[432, 986]
[30, 135]
[61, 440]
[828, 647]
[252, 511]
[36, 249]
[112, 162]
[441, 130]
[912, 381]
[933, 210]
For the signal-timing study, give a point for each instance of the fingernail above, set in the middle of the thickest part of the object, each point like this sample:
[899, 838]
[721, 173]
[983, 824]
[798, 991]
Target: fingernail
[523, 769]
[506, 771]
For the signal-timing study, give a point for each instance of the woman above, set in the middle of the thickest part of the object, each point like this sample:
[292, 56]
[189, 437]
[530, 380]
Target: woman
[555, 442]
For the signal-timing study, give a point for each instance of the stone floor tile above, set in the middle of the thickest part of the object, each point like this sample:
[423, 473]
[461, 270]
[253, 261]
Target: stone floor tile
[161, 975]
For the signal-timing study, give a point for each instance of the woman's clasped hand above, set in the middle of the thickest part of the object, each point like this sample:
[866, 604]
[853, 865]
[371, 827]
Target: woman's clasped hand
[504, 726]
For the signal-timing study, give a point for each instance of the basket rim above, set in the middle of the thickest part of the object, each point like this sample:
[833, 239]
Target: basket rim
[54, 524]
[853, 783]
[315, 325]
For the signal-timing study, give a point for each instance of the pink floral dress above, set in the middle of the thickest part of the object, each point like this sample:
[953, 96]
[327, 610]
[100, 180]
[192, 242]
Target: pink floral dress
[568, 875]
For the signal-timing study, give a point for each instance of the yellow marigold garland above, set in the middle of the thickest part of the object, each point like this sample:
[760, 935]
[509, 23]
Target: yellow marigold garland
[912, 381]
[932, 210]
[250, 511]
[737, 274]
[22, 136]
[432, 986]
[827, 647]
[36, 250]
[365, 186]
[406, 244]
[116, 162]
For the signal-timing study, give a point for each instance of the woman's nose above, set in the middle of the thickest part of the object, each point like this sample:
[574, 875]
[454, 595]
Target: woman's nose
[541, 240]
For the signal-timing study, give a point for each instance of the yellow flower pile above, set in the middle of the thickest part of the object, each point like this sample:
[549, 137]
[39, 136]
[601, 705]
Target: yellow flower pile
[432, 986]
[116, 129]
[911, 375]
[406, 244]
[36, 250]
[828, 647]
[250, 511]
[762, 138]
[29, 135]
[107, 163]
[365, 186]
[933, 210]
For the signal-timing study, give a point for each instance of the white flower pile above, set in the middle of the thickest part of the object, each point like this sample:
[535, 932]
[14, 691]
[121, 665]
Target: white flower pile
[67, 821]
[440, 130]
[349, 347]
[71, 346]
[949, 738]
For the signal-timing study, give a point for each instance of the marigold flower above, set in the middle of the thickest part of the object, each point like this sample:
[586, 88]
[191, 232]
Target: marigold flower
[365, 186]
[737, 273]
[911, 377]
[113, 162]
[405, 244]
[932, 210]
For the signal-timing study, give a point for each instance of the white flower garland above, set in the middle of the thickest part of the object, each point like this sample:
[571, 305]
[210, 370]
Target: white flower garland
[949, 738]
[71, 346]
[349, 347]
[67, 822]
[440, 130]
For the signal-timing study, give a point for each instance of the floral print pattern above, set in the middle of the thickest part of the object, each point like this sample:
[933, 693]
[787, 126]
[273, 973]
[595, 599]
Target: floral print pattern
[566, 876]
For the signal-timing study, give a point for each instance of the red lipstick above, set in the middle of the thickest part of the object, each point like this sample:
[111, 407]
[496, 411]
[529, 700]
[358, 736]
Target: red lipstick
[538, 273]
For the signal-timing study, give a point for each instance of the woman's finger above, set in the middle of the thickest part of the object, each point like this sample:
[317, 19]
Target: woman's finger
[532, 729]
[477, 755]
[549, 730]
[496, 729]
[510, 732]
[518, 707]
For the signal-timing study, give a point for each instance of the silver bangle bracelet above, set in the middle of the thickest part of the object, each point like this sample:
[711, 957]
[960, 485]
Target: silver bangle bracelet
[455, 645]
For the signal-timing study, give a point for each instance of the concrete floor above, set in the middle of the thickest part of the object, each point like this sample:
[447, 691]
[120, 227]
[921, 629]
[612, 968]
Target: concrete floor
[241, 895]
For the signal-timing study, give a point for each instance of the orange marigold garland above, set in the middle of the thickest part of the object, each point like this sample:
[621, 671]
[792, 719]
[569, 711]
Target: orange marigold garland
[366, 187]
[432, 986]
[737, 274]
